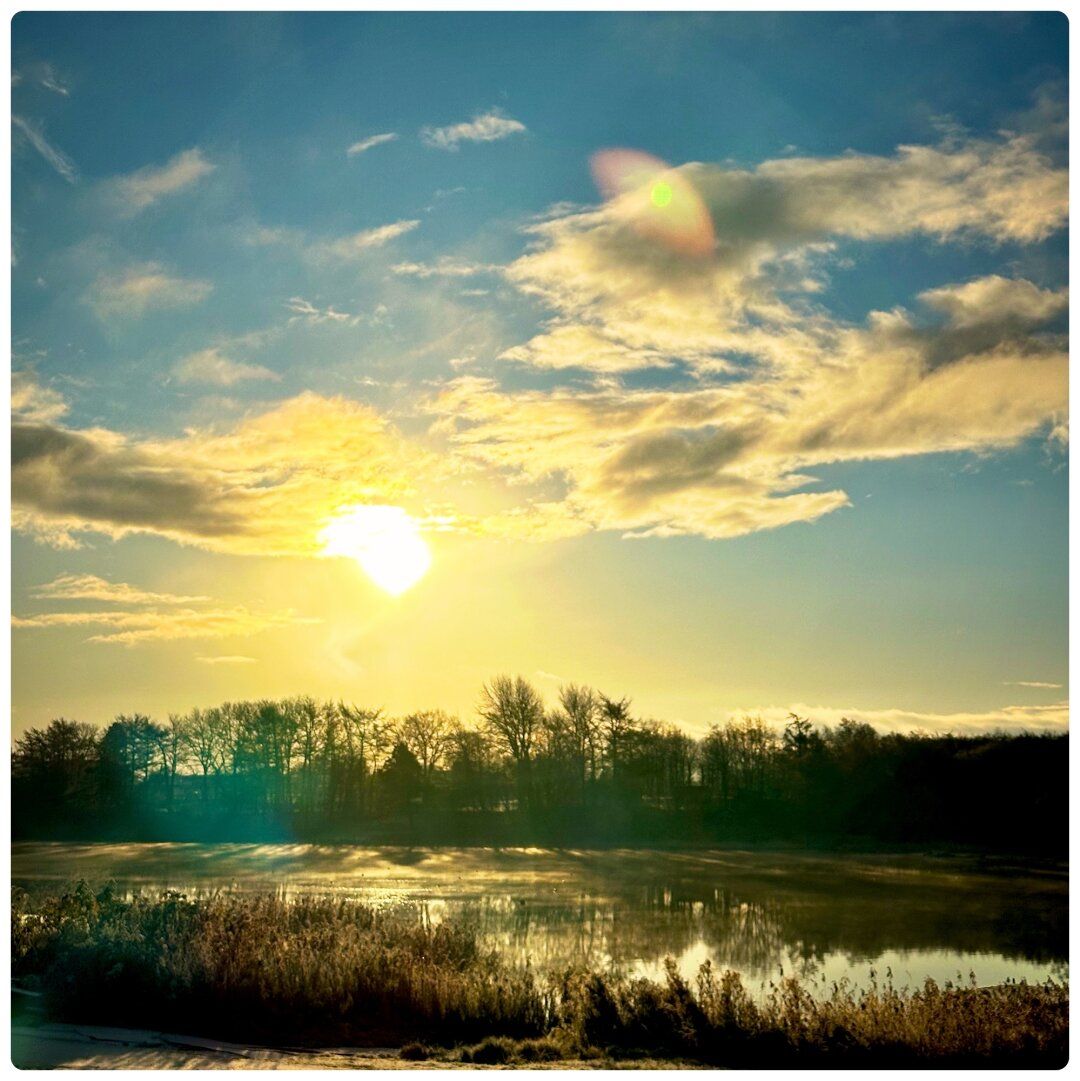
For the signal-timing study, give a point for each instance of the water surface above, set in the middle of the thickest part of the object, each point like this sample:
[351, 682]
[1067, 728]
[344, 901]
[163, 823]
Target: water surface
[765, 914]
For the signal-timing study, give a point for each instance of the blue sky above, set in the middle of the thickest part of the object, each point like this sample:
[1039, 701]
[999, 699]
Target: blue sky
[822, 465]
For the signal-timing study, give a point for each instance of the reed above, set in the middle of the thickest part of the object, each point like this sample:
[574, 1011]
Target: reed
[317, 971]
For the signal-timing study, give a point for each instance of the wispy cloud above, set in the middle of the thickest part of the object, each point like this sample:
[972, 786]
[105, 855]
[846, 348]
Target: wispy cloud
[358, 244]
[322, 249]
[213, 367]
[444, 268]
[52, 154]
[51, 81]
[149, 616]
[134, 627]
[89, 587]
[146, 186]
[143, 288]
[485, 128]
[43, 75]
[371, 141]
[1034, 684]
[226, 659]
[576, 346]
[306, 312]
[34, 403]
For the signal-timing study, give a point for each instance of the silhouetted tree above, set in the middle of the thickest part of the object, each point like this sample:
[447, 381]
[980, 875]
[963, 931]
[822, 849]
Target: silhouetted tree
[581, 708]
[514, 712]
[55, 779]
[401, 778]
[430, 736]
[616, 724]
[332, 770]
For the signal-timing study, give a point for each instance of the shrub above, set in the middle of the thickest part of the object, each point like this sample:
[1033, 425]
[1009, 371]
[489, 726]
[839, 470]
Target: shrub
[494, 1051]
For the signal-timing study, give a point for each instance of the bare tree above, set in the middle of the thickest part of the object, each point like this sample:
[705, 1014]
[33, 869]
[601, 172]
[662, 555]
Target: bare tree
[514, 711]
[173, 743]
[430, 736]
[581, 708]
[200, 735]
[367, 738]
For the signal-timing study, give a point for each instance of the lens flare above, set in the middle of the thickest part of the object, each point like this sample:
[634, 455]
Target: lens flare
[659, 202]
[385, 541]
[661, 194]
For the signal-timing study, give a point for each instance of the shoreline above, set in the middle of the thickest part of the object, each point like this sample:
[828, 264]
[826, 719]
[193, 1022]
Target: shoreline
[40, 1044]
[55, 1045]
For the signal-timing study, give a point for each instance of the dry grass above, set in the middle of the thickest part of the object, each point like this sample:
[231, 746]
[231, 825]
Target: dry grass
[330, 972]
[311, 971]
[718, 1021]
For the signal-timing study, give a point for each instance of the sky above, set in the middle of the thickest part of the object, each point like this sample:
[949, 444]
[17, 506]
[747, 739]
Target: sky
[715, 360]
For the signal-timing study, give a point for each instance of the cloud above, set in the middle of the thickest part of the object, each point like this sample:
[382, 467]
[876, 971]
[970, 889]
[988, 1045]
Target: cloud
[321, 249]
[210, 366]
[304, 311]
[995, 300]
[755, 387]
[149, 616]
[142, 289]
[371, 141]
[350, 247]
[766, 385]
[43, 75]
[444, 268]
[485, 128]
[1048, 718]
[146, 186]
[577, 346]
[134, 627]
[32, 402]
[265, 487]
[727, 458]
[52, 154]
[89, 587]
[773, 225]
[226, 660]
[1032, 683]
[51, 81]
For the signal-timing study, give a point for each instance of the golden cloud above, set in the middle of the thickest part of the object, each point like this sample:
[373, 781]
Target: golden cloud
[777, 386]
[266, 487]
[130, 628]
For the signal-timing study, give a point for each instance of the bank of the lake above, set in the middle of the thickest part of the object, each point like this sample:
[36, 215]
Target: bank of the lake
[333, 972]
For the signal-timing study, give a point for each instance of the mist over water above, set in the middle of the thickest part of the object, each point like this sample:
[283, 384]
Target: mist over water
[765, 914]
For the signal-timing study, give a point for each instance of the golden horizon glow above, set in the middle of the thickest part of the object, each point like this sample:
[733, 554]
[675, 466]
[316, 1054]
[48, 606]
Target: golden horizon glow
[385, 541]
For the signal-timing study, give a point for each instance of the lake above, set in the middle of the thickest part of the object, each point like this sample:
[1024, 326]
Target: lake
[765, 914]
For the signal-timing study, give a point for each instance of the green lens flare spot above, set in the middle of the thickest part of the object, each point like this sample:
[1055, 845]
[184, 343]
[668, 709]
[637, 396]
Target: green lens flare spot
[661, 194]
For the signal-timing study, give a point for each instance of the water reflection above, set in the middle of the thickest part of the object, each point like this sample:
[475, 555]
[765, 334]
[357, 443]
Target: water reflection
[821, 918]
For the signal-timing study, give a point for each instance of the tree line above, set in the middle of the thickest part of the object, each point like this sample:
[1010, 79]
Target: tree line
[585, 768]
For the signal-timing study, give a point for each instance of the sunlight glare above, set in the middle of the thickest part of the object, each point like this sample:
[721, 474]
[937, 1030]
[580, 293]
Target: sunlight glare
[385, 541]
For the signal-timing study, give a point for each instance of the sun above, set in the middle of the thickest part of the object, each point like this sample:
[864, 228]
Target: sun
[385, 541]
